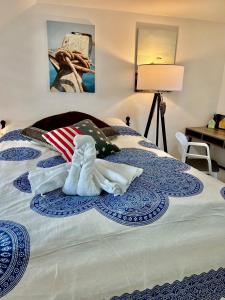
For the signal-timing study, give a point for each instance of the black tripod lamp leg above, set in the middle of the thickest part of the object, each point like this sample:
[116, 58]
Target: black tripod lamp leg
[157, 120]
[164, 131]
[151, 115]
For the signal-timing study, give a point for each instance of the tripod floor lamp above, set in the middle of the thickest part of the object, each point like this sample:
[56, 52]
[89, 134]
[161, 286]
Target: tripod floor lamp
[159, 79]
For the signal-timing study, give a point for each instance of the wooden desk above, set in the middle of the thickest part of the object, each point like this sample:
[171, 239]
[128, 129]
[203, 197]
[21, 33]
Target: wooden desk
[208, 135]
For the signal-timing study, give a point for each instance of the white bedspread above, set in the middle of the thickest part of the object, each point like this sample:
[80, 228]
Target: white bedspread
[88, 256]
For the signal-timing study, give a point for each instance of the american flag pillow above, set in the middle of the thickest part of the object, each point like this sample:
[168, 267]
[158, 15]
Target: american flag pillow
[62, 140]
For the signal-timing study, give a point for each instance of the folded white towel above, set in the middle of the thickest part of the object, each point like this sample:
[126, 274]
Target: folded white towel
[44, 180]
[115, 178]
[86, 175]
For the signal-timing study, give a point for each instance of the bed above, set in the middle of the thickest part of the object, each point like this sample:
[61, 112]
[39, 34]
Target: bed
[163, 239]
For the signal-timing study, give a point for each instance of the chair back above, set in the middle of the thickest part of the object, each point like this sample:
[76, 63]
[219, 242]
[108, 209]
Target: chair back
[182, 145]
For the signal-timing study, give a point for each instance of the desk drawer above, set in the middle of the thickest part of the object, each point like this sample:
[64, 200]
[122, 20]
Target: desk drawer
[193, 133]
[213, 140]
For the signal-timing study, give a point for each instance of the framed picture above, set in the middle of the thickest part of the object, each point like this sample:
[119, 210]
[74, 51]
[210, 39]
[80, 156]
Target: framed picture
[155, 44]
[71, 53]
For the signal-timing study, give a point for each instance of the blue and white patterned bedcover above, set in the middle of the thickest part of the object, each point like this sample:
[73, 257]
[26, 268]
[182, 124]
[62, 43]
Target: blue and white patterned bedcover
[173, 217]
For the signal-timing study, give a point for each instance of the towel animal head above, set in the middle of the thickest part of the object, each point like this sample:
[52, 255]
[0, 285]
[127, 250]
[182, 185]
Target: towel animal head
[83, 140]
[84, 149]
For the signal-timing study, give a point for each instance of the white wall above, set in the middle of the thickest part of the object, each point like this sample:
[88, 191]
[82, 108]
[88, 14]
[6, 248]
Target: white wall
[24, 93]
[221, 102]
[219, 153]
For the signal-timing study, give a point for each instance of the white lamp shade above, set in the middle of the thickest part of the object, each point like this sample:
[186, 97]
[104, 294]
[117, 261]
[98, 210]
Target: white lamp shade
[160, 77]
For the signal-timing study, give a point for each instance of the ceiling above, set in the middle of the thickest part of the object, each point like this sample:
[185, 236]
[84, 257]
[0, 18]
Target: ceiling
[209, 10]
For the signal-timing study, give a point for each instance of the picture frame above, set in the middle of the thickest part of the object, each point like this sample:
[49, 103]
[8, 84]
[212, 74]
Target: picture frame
[71, 53]
[155, 44]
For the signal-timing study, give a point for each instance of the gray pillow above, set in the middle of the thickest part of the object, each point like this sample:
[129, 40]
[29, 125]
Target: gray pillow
[36, 136]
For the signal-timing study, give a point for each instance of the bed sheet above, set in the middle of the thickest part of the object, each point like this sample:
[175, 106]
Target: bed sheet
[168, 226]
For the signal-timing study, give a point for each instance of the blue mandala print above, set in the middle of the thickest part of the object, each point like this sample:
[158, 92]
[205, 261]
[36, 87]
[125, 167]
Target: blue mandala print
[162, 177]
[51, 162]
[166, 175]
[206, 286]
[148, 144]
[19, 154]
[22, 183]
[223, 192]
[123, 130]
[139, 206]
[146, 199]
[14, 255]
[14, 135]
[57, 204]
[132, 156]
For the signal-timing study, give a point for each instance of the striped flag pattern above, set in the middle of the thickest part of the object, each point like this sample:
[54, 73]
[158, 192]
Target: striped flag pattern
[62, 140]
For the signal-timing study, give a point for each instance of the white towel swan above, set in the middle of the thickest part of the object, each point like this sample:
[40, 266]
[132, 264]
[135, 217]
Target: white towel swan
[85, 175]
[97, 174]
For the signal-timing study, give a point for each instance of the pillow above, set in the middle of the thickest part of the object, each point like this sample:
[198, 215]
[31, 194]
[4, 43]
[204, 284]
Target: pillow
[36, 135]
[109, 132]
[68, 119]
[62, 140]
[103, 146]
[114, 121]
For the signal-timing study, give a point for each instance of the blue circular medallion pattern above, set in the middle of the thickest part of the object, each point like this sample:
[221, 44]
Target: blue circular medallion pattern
[14, 254]
[14, 135]
[207, 286]
[145, 201]
[19, 154]
[57, 204]
[22, 183]
[132, 156]
[166, 175]
[124, 130]
[138, 206]
[147, 144]
[51, 162]
[223, 192]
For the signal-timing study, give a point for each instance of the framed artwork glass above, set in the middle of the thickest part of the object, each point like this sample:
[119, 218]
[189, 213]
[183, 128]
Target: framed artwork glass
[155, 44]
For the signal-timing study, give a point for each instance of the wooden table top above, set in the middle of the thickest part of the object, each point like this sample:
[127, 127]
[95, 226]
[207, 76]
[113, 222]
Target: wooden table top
[215, 133]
